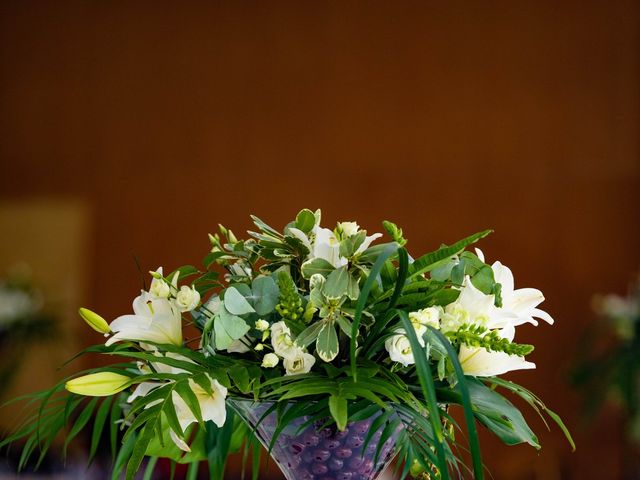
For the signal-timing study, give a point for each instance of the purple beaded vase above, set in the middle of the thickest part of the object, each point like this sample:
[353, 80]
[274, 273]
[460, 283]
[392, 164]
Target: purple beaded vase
[311, 452]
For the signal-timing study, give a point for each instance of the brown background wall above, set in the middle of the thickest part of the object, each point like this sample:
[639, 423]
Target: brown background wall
[447, 117]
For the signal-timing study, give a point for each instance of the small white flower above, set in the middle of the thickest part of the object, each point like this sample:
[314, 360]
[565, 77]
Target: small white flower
[281, 340]
[399, 349]
[348, 228]
[187, 299]
[298, 362]
[262, 325]
[429, 317]
[159, 288]
[270, 360]
[259, 347]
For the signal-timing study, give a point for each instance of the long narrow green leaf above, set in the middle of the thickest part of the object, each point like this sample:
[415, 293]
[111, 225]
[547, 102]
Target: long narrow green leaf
[431, 260]
[362, 300]
[425, 376]
[403, 270]
[98, 425]
[474, 442]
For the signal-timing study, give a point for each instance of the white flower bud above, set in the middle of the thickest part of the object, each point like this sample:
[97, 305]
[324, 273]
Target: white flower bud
[270, 360]
[348, 228]
[187, 299]
[159, 288]
[262, 325]
[259, 347]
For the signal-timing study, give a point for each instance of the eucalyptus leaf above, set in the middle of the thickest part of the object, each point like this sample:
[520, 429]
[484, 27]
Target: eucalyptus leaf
[265, 294]
[227, 328]
[235, 303]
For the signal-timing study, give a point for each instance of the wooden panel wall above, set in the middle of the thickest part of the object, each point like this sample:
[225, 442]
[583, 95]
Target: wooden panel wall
[447, 117]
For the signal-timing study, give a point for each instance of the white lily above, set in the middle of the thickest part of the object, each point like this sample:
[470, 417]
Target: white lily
[154, 320]
[326, 244]
[520, 303]
[479, 362]
[212, 407]
[144, 388]
[475, 308]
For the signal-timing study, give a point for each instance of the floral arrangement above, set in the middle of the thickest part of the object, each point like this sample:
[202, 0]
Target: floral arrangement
[610, 366]
[315, 324]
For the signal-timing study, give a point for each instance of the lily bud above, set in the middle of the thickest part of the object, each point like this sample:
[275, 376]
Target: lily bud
[101, 384]
[95, 321]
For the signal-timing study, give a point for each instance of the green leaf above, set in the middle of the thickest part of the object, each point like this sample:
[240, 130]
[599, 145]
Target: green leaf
[353, 288]
[240, 376]
[309, 334]
[305, 220]
[265, 294]
[235, 303]
[338, 409]
[139, 449]
[389, 250]
[98, 425]
[443, 254]
[425, 376]
[371, 254]
[317, 265]
[327, 343]
[467, 404]
[183, 272]
[227, 328]
[349, 245]
[499, 415]
[337, 283]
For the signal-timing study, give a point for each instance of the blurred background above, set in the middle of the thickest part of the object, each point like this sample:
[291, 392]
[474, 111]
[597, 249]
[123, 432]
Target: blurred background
[128, 130]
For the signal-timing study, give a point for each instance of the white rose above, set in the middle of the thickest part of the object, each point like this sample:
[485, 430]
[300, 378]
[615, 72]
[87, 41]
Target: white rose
[281, 340]
[399, 348]
[187, 299]
[348, 228]
[262, 325]
[270, 360]
[298, 362]
[429, 317]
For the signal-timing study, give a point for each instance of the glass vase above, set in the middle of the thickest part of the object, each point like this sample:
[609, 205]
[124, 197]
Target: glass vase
[314, 451]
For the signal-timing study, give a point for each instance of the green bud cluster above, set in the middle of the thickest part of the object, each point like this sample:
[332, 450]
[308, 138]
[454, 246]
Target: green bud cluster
[478, 336]
[290, 304]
